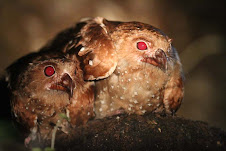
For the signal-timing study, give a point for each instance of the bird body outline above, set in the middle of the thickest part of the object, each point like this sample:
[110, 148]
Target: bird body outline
[138, 81]
[43, 88]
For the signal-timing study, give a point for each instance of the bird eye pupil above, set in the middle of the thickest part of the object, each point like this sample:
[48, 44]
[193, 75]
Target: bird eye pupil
[142, 46]
[49, 71]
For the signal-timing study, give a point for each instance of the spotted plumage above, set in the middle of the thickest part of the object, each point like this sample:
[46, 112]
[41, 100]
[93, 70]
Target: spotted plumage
[45, 86]
[135, 68]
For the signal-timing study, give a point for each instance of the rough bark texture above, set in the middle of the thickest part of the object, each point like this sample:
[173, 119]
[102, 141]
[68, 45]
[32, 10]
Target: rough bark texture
[148, 132]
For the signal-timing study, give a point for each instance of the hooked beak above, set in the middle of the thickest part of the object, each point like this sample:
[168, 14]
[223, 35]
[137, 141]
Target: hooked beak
[65, 84]
[159, 59]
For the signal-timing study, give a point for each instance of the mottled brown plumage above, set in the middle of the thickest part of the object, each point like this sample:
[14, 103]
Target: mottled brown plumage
[135, 67]
[45, 85]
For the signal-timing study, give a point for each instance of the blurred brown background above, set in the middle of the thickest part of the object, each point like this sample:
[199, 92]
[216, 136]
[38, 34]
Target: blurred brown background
[197, 28]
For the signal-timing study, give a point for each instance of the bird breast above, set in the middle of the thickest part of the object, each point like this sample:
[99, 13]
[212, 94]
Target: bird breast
[133, 89]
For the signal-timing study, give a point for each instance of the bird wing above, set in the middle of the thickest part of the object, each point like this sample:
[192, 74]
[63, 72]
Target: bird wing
[97, 50]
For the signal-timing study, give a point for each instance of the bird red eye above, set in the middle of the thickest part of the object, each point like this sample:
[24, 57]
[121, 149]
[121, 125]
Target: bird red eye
[49, 71]
[142, 46]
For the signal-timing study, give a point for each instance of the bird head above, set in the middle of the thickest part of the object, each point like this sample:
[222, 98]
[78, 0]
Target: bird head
[53, 79]
[57, 80]
[142, 44]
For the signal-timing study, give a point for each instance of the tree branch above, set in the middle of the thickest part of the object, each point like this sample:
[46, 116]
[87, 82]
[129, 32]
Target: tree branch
[148, 132]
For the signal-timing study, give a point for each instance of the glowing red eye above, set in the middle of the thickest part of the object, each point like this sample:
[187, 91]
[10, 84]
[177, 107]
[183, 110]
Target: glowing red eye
[142, 46]
[49, 71]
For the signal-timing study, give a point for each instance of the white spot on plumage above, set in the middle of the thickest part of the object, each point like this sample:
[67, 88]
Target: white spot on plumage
[129, 108]
[143, 111]
[157, 98]
[112, 86]
[88, 113]
[90, 62]
[122, 98]
[135, 93]
[135, 101]
[149, 104]
[105, 88]
[102, 102]
[129, 80]
[141, 107]
[70, 42]
[100, 109]
[82, 49]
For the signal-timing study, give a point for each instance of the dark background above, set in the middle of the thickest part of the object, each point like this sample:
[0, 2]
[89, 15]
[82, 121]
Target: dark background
[196, 27]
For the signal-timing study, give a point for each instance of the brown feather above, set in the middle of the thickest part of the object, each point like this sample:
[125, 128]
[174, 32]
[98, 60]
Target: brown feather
[143, 80]
[98, 52]
[38, 100]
